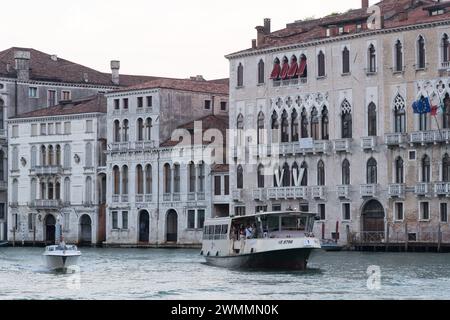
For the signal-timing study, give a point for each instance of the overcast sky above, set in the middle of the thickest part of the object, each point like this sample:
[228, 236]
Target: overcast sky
[172, 38]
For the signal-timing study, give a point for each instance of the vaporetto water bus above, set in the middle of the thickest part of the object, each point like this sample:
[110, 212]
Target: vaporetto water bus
[273, 240]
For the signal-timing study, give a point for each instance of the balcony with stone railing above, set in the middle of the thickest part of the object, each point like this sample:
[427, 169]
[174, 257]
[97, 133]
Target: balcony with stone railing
[144, 145]
[145, 111]
[167, 197]
[124, 198]
[115, 198]
[368, 190]
[258, 194]
[45, 204]
[395, 139]
[237, 195]
[343, 192]
[143, 198]
[47, 170]
[442, 189]
[369, 143]
[319, 192]
[121, 146]
[342, 145]
[430, 137]
[287, 193]
[423, 189]
[445, 65]
[176, 197]
[397, 190]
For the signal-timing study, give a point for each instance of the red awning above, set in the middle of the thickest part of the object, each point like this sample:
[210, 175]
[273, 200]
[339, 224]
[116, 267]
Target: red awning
[293, 69]
[302, 68]
[284, 71]
[275, 72]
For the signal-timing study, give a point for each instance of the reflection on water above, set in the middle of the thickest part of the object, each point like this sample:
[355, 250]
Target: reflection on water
[182, 274]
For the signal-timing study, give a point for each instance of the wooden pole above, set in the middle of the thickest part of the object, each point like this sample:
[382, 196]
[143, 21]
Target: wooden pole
[439, 238]
[14, 237]
[406, 237]
[387, 236]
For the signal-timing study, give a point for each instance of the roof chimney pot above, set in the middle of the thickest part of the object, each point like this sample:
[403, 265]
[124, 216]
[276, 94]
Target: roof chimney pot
[115, 67]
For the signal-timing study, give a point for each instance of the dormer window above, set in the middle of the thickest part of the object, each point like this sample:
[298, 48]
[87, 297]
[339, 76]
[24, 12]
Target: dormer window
[436, 12]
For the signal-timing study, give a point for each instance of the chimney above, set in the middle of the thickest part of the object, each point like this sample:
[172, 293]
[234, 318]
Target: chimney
[199, 78]
[22, 59]
[115, 67]
[260, 38]
[364, 4]
[253, 43]
[267, 26]
[54, 57]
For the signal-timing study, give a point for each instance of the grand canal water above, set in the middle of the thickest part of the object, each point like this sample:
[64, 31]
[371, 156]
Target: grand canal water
[181, 274]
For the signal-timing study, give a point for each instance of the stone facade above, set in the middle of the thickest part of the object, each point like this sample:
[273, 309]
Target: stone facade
[368, 95]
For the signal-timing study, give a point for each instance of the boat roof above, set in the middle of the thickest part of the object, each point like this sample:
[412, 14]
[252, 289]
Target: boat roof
[261, 214]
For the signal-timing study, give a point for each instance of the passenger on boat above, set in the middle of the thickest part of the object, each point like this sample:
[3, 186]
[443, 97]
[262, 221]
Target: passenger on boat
[249, 232]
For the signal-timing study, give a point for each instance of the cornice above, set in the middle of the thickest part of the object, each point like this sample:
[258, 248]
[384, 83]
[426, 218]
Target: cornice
[58, 84]
[56, 118]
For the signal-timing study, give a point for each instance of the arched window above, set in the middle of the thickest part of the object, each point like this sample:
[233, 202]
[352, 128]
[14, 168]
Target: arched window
[43, 191]
[276, 72]
[445, 49]
[286, 175]
[372, 175]
[261, 131]
[139, 180]
[399, 114]
[15, 191]
[372, 59]
[304, 182]
[88, 190]
[303, 67]
[201, 177]
[116, 180]
[304, 124]
[167, 179]
[284, 127]
[346, 120]
[58, 155]
[176, 178]
[315, 129]
[117, 131]
[346, 173]
[295, 174]
[15, 159]
[51, 156]
[240, 128]
[446, 168]
[261, 71]
[421, 53]
[345, 61]
[423, 121]
[398, 56]
[295, 126]
[321, 64]
[399, 171]
[50, 191]
[58, 190]
[446, 112]
[125, 128]
[240, 75]
[33, 191]
[320, 173]
[240, 177]
[89, 156]
[285, 68]
[67, 190]
[2, 166]
[67, 156]
[125, 180]
[192, 177]
[43, 156]
[275, 128]
[148, 179]
[33, 157]
[372, 120]
[140, 130]
[325, 124]
[261, 176]
[148, 129]
[426, 169]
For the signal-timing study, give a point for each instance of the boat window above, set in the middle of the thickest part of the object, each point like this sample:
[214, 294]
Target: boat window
[217, 232]
[224, 231]
[273, 224]
[293, 223]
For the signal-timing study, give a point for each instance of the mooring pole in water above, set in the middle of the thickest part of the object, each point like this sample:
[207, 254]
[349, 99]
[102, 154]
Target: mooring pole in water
[14, 237]
[406, 237]
[439, 238]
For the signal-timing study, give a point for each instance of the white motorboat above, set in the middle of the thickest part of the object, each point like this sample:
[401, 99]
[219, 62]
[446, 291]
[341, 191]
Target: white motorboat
[62, 256]
[277, 240]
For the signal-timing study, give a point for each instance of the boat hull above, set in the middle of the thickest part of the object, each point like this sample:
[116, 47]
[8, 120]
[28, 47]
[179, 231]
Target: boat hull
[55, 262]
[293, 259]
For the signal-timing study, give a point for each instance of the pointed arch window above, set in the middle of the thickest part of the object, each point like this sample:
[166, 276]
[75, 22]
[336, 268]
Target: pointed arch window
[261, 71]
[445, 49]
[372, 120]
[315, 128]
[426, 169]
[325, 124]
[67, 192]
[346, 120]
[295, 126]
[446, 168]
[275, 128]
[345, 61]
[140, 130]
[261, 131]
[117, 131]
[321, 64]
[372, 174]
[346, 172]
[446, 112]
[286, 175]
[176, 178]
[372, 59]
[51, 156]
[139, 180]
[304, 182]
[399, 114]
[167, 179]
[295, 174]
[293, 69]
[125, 129]
[303, 67]
[240, 75]
[421, 53]
[398, 56]
[201, 177]
[399, 171]
[148, 179]
[261, 176]
[321, 173]
[192, 177]
[240, 129]
[304, 124]
[240, 177]
[284, 127]
[285, 68]
[275, 75]
[125, 180]
[58, 155]
[116, 180]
